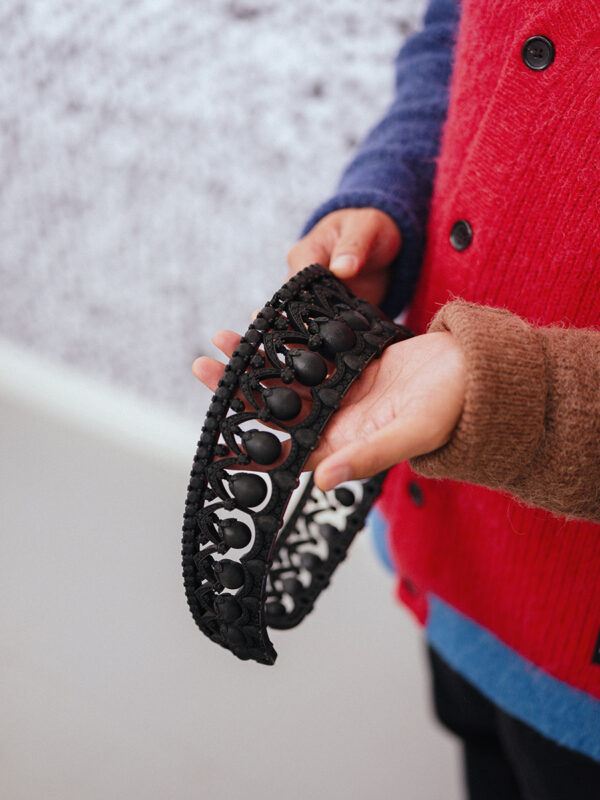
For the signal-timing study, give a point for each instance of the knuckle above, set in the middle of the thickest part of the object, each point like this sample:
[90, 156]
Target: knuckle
[351, 243]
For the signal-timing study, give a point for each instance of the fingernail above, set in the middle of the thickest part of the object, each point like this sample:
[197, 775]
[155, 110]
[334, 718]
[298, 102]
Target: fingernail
[334, 475]
[344, 265]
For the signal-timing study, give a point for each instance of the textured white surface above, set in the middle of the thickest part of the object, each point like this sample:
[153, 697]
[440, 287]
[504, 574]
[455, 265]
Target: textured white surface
[158, 159]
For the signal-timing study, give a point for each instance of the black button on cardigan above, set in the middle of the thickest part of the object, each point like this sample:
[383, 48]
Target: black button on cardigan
[538, 52]
[416, 493]
[461, 235]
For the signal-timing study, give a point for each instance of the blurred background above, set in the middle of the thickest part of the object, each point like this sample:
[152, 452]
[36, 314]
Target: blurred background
[158, 158]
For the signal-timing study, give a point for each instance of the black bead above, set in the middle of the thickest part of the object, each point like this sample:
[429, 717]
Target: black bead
[329, 397]
[538, 53]
[416, 493]
[356, 320]
[309, 368]
[337, 336]
[282, 402]
[461, 235]
[305, 437]
[292, 586]
[249, 490]
[329, 532]
[372, 338]
[261, 446]
[229, 573]
[310, 561]
[235, 533]
[353, 361]
[274, 609]
[244, 349]
[261, 324]
[252, 336]
[344, 496]
[268, 312]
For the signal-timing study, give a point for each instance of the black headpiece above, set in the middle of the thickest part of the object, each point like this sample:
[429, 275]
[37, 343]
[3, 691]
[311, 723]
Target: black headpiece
[243, 568]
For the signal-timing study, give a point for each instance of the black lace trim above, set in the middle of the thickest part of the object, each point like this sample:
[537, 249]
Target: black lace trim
[245, 570]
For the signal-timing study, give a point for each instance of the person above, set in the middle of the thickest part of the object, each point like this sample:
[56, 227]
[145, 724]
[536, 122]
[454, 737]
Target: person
[476, 200]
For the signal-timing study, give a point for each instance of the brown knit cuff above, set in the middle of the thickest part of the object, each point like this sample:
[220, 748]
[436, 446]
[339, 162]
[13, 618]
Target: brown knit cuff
[502, 423]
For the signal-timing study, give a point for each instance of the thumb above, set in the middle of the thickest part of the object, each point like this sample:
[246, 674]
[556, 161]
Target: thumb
[406, 436]
[353, 246]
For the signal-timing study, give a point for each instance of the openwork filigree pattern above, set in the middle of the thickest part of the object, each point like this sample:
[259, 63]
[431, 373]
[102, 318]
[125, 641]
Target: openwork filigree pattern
[243, 569]
[313, 542]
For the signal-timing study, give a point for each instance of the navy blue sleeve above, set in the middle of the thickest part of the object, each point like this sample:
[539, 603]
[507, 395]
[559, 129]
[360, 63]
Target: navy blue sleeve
[394, 167]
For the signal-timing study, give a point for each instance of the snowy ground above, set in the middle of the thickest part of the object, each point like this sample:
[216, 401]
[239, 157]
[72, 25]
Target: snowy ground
[158, 158]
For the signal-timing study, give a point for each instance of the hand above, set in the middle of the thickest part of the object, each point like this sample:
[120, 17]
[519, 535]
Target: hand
[357, 244]
[404, 404]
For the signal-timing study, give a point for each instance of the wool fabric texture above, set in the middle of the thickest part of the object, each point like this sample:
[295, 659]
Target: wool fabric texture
[394, 168]
[520, 161]
[531, 418]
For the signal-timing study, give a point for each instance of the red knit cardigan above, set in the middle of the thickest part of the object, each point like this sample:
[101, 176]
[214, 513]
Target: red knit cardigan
[520, 161]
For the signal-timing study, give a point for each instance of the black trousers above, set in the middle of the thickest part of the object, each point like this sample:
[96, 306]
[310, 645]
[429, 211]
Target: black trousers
[505, 759]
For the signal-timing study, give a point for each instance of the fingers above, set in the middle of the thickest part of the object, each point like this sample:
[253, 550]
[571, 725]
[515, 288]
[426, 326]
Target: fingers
[226, 341]
[351, 250]
[312, 249]
[208, 371]
[349, 241]
[369, 240]
[401, 439]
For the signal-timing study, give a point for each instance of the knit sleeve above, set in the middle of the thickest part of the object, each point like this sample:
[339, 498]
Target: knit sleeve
[530, 424]
[394, 167]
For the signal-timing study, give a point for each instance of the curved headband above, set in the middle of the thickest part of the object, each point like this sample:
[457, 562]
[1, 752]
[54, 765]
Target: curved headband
[245, 570]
